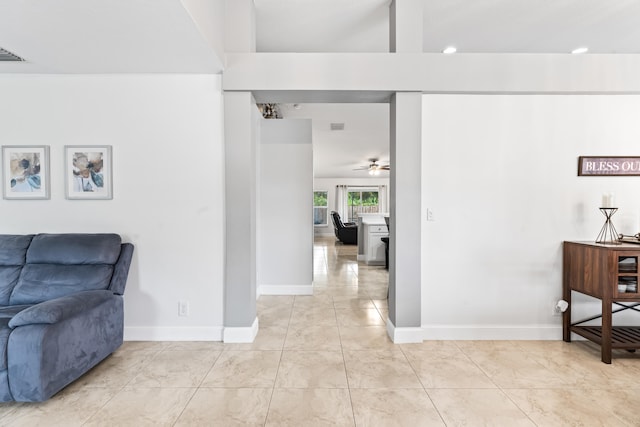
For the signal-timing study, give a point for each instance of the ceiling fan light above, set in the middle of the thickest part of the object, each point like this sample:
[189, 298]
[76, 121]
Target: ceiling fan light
[371, 171]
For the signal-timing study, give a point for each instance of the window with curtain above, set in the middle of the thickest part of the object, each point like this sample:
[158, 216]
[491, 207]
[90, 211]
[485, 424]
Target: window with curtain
[320, 206]
[363, 200]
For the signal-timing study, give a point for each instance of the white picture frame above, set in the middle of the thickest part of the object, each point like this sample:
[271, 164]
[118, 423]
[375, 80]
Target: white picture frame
[88, 172]
[25, 172]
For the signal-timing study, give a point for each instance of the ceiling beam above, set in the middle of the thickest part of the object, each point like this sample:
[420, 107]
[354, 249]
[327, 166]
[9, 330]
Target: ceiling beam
[434, 73]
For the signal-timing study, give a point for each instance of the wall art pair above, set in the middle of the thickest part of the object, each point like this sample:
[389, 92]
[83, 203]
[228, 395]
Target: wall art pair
[26, 173]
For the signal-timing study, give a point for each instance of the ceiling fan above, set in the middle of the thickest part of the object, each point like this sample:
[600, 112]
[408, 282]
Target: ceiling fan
[374, 168]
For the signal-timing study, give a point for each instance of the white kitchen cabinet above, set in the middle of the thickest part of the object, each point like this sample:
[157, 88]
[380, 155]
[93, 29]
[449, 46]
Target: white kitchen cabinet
[373, 246]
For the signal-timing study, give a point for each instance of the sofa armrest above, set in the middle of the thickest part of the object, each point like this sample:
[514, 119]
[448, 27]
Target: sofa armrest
[121, 269]
[58, 309]
[44, 358]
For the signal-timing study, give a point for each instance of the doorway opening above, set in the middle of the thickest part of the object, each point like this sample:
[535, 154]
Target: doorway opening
[347, 139]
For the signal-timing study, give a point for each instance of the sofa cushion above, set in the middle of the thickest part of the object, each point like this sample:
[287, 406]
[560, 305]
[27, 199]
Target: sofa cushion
[42, 282]
[13, 252]
[74, 249]
[61, 264]
[8, 280]
[13, 249]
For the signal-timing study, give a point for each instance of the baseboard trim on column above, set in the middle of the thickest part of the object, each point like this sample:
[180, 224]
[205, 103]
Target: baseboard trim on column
[404, 335]
[240, 334]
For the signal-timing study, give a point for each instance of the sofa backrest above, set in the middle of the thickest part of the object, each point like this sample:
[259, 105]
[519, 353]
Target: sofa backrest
[61, 264]
[13, 255]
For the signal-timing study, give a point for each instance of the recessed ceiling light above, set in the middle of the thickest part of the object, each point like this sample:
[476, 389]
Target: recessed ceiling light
[580, 50]
[449, 49]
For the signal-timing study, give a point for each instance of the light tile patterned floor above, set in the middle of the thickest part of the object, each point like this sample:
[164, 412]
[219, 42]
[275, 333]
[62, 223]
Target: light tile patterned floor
[326, 360]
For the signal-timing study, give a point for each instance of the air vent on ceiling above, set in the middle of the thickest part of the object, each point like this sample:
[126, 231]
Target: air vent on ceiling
[337, 126]
[5, 55]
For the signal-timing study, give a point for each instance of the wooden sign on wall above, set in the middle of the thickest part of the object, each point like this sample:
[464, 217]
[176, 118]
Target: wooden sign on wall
[608, 166]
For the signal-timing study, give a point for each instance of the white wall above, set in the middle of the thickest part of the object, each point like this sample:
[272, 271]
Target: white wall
[166, 134]
[329, 185]
[285, 232]
[500, 174]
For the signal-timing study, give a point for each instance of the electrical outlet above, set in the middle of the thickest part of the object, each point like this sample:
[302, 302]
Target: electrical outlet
[183, 308]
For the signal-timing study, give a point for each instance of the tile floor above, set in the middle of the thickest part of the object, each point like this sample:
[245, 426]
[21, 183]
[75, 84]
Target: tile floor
[326, 360]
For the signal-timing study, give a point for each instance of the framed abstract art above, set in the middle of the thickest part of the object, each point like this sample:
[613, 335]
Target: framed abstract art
[25, 172]
[88, 172]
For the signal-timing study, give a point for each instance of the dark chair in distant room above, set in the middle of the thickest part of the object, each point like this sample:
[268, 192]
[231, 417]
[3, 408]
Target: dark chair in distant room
[346, 232]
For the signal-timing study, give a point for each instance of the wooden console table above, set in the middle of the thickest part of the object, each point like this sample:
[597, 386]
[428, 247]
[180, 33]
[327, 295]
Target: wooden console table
[609, 273]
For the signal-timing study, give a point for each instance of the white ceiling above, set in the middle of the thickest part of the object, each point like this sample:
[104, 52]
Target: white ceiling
[532, 26]
[337, 153]
[159, 36]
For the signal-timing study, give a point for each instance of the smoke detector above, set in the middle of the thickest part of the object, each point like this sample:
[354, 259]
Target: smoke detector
[5, 55]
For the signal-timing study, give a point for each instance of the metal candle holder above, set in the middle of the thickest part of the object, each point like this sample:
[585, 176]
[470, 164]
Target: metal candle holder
[608, 234]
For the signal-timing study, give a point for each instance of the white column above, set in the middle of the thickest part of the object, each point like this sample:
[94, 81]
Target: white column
[240, 132]
[404, 323]
[405, 26]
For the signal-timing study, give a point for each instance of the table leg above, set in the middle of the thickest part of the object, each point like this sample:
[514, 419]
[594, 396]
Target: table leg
[606, 331]
[566, 316]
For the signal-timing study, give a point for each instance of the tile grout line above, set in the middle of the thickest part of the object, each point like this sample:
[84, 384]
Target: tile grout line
[498, 386]
[120, 390]
[344, 362]
[199, 386]
[422, 384]
[273, 388]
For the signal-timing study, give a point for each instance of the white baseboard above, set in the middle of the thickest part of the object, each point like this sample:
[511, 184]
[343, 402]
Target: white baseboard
[397, 335]
[285, 289]
[241, 334]
[177, 333]
[404, 335]
[475, 332]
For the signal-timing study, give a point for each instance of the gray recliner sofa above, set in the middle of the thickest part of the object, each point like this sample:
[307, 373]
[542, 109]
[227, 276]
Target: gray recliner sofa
[61, 309]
